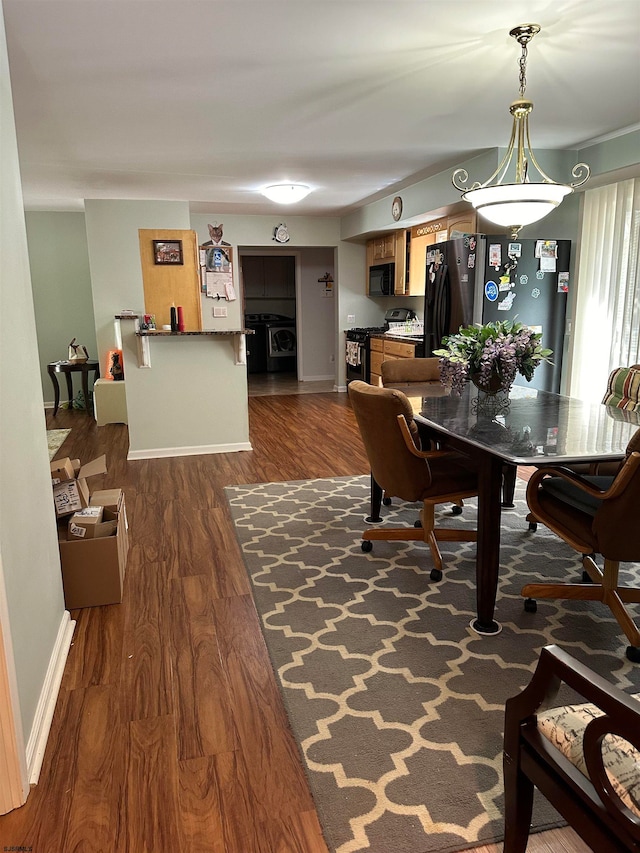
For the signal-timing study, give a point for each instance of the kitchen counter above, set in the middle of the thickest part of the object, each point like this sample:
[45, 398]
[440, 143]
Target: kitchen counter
[394, 336]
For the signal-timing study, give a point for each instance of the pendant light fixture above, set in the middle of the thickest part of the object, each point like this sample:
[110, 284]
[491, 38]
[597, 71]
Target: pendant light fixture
[286, 193]
[529, 197]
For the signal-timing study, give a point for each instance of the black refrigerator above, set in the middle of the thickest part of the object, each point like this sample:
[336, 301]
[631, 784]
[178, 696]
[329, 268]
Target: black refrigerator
[482, 278]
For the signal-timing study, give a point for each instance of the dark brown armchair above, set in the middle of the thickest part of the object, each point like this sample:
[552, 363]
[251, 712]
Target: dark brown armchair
[583, 758]
[595, 515]
[385, 419]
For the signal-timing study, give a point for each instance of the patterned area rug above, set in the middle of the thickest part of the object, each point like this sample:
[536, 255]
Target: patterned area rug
[55, 439]
[396, 704]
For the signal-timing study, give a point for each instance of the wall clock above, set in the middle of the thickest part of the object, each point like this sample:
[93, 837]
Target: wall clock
[280, 233]
[396, 208]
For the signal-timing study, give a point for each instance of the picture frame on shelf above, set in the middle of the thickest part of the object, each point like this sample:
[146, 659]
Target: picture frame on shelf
[168, 252]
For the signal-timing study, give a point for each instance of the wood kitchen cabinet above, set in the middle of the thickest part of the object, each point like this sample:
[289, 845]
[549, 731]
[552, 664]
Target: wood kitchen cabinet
[428, 234]
[390, 247]
[383, 349]
[271, 277]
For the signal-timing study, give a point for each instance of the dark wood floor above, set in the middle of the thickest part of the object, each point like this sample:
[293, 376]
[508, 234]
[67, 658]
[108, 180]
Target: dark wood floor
[169, 733]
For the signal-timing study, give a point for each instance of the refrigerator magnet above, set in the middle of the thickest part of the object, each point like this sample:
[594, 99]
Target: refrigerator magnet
[515, 250]
[505, 282]
[471, 261]
[491, 291]
[507, 302]
[495, 255]
[563, 282]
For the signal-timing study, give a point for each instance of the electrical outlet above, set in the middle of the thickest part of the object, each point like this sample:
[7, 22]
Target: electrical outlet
[351, 318]
[219, 312]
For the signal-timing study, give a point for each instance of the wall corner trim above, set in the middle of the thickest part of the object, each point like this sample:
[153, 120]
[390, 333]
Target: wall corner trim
[37, 742]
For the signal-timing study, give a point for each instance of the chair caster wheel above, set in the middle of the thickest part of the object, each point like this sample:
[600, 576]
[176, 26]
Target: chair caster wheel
[533, 526]
[456, 510]
[435, 575]
[417, 523]
[366, 545]
[633, 654]
[386, 501]
[530, 605]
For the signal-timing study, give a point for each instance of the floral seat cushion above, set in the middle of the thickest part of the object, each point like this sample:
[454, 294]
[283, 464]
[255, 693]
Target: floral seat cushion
[623, 389]
[564, 728]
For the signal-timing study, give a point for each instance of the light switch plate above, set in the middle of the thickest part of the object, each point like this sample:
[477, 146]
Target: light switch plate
[219, 312]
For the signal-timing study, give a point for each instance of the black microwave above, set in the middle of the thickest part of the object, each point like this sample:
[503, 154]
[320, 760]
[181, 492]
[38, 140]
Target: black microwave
[381, 279]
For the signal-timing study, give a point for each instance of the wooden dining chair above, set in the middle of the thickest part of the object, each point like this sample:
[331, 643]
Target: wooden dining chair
[594, 515]
[388, 431]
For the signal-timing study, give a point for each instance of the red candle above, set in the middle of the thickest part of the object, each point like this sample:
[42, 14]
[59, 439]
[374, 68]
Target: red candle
[180, 319]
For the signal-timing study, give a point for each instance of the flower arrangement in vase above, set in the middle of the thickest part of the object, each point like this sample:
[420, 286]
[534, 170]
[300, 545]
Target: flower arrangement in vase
[490, 355]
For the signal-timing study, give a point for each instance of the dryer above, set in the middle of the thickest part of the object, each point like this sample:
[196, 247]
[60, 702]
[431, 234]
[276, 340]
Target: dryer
[281, 345]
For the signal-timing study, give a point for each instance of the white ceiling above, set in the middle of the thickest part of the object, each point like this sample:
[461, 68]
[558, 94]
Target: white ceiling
[209, 100]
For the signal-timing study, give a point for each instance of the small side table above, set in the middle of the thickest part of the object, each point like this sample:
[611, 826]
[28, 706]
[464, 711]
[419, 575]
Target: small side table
[68, 368]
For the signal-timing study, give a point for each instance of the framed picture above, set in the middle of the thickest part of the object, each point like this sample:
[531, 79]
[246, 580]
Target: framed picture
[167, 251]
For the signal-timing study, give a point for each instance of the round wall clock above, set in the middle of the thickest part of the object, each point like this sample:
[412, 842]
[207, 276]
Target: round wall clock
[280, 233]
[396, 208]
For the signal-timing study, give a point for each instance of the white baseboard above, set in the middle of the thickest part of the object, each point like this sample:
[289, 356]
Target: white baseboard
[200, 450]
[48, 696]
[340, 388]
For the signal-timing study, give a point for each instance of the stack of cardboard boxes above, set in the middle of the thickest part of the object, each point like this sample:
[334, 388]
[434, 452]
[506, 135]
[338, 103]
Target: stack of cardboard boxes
[92, 534]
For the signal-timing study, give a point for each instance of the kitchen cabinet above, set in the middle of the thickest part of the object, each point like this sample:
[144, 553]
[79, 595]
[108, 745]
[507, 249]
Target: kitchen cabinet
[428, 234]
[390, 247]
[464, 223]
[423, 236]
[269, 276]
[384, 349]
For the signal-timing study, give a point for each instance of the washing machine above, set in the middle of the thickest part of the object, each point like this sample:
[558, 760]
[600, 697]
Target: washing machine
[281, 345]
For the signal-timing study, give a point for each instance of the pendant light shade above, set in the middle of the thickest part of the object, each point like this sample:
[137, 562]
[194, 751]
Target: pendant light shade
[523, 200]
[286, 193]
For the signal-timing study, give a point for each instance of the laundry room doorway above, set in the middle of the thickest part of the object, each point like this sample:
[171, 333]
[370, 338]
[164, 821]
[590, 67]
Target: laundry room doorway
[289, 306]
[269, 289]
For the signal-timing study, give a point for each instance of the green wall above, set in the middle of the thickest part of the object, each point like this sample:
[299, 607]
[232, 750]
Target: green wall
[61, 285]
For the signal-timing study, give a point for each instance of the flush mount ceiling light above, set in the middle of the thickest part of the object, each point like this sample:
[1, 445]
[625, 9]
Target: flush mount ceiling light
[286, 193]
[524, 200]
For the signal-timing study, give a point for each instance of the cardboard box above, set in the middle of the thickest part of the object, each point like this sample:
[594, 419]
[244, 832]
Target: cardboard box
[111, 499]
[92, 522]
[72, 493]
[62, 469]
[93, 569]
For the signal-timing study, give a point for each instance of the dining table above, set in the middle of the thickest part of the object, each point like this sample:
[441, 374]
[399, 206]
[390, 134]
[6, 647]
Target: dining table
[529, 427]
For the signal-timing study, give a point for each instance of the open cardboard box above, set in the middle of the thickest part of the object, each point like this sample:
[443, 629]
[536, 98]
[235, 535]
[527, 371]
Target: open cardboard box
[92, 522]
[69, 478]
[93, 569]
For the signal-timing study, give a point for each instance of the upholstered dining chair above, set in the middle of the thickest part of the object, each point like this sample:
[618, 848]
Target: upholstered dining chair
[415, 377]
[411, 372]
[388, 431]
[594, 515]
[584, 758]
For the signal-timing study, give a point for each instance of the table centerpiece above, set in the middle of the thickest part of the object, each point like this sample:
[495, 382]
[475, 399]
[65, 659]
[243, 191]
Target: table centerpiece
[490, 356]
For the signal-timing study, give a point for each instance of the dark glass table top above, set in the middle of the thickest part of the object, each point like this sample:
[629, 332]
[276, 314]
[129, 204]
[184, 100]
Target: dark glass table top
[529, 427]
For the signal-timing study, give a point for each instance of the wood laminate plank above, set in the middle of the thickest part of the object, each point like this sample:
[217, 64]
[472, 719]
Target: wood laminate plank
[200, 809]
[94, 656]
[263, 729]
[203, 713]
[151, 818]
[98, 773]
[146, 680]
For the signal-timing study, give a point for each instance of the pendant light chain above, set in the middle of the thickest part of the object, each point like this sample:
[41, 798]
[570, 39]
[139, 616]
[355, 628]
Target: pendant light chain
[523, 69]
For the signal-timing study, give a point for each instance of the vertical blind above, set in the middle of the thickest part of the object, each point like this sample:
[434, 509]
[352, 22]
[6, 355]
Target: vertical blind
[607, 316]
